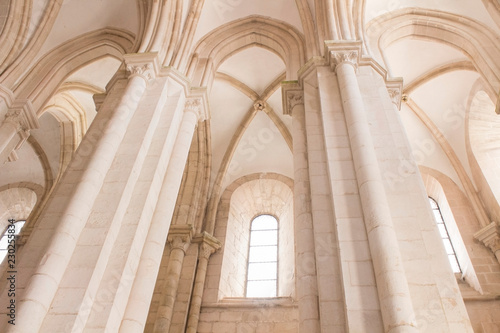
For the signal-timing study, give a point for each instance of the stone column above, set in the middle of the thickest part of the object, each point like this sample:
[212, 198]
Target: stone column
[142, 291]
[305, 261]
[393, 291]
[490, 237]
[20, 118]
[179, 238]
[208, 245]
[88, 169]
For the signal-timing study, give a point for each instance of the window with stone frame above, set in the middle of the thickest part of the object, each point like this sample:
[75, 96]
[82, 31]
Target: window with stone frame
[445, 236]
[262, 271]
[8, 236]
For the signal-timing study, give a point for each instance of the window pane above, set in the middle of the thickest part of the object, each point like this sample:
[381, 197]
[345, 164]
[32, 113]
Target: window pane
[448, 247]
[264, 222]
[437, 216]
[261, 288]
[261, 271]
[433, 204]
[269, 237]
[263, 253]
[454, 263]
[442, 230]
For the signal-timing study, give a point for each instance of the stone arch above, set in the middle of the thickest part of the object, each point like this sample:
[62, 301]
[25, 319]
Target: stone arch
[243, 200]
[272, 35]
[41, 82]
[464, 34]
[457, 213]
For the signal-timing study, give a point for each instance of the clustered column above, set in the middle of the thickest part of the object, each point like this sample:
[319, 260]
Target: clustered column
[394, 295]
[143, 288]
[93, 158]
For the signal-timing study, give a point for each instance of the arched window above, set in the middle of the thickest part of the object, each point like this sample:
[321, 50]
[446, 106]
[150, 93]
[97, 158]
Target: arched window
[262, 273]
[8, 236]
[445, 236]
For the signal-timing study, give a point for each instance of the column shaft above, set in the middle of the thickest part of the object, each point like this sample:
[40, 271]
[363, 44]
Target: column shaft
[135, 317]
[306, 279]
[394, 295]
[199, 283]
[166, 308]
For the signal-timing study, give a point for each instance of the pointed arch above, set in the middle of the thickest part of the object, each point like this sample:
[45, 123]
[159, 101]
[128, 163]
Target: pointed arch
[273, 35]
[43, 79]
[478, 42]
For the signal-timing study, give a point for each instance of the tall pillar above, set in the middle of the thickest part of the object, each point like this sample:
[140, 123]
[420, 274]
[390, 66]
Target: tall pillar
[179, 238]
[21, 119]
[305, 261]
[208, 245]
[69, 208]
[393, 291]
[136, 312]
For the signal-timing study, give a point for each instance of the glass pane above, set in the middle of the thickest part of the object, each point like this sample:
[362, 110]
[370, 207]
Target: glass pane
[454, 263]
[264, 222]
[263, 253]
[442, 230]
[437, 216]
[261, 288]
[262, 271]
[433, 203]
[448, 247]
[268, 237]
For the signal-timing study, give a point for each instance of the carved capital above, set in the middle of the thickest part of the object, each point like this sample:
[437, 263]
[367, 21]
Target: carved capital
[22, 116]
[395, 90]
[194, 105]
[144, 65]
[197, 102]
[339, 53]
[179, 236]
[292, 95]
[341, 57]
[490, 236]
[208, 244]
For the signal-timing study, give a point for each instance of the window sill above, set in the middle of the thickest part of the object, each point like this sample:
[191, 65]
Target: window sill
[249, 302]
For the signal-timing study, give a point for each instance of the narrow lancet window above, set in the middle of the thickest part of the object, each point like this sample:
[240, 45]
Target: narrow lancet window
[445, 236]
[262, 274]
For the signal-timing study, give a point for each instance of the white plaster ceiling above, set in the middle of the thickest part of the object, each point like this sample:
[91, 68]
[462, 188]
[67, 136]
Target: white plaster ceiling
[218, 12]
[255, 67]
[425, 56]
[97, 73]
[78, 17]
[261, 149]
[26, 169]
[471, 9]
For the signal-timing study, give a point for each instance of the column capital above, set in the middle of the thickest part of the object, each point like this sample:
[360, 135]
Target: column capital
[292, 95]
[490, 236]
[22, 115]
[338, 53]
[180, 235]
[144, 65]
[395, 90]
[208, 244]
[197, 102]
